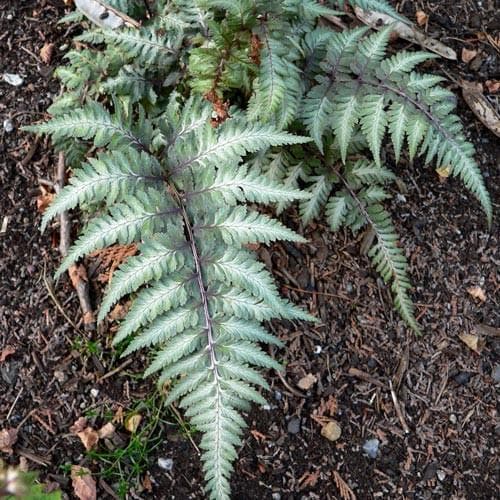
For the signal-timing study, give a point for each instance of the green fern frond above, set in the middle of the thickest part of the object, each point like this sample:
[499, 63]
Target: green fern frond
[390, 262]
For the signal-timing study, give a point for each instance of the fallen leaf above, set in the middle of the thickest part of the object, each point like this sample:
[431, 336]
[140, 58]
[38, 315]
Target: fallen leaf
[7, 351]
[44, 200]
[443, 172]
[84, 486]
[46, 52]
[378, 20]
[468, 55]
[89, 437]
[78, 426]
[8, 438]
[477, 292]
[493, 86]
[331, 431]
[132, 422]
[146, 482]
[106, 430]
[421, 17]
[482, 108]
[305, 383]
[472, 342]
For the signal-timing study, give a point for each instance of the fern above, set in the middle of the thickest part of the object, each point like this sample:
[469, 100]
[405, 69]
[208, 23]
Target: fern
[176, 128]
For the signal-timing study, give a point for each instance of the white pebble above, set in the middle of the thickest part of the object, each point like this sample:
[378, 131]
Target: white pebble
[317, 349]
[441, 474]
[8, 126]
[371, 447]
[166, 464]
[94, 392]
[12, 79]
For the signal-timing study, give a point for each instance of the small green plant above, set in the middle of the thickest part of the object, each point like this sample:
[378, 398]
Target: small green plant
[16, 484]
[178, 125]
[125, 465]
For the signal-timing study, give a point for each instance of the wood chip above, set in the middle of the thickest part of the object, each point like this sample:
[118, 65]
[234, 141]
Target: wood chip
[477, 292]
[480, 106]
[421, 17]
[468, 55]
[8, 438]
[378, 20]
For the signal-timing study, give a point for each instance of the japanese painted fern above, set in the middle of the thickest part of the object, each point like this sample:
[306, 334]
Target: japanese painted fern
[174, 125]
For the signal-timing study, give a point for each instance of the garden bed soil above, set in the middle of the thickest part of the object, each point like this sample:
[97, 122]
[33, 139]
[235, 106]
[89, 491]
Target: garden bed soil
[437, 428]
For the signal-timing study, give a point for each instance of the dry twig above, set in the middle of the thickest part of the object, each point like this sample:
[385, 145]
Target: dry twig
[77, 272]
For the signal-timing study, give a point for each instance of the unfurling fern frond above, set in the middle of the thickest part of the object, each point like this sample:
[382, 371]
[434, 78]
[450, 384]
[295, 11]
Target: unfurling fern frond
[199, 295]
[364, 91]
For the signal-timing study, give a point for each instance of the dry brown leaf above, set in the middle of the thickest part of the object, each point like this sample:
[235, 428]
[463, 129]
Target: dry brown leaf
[146, 482]
[345, 492]
[7, 351]
[132, 422]
[44, 200]
[443, 172]
[477, 292]
[378, 20]
[468, 55]
[119, 311]
[305, 383]
[89, 438]
[493, 86]
[473, 342]
[8, 438]
[84, 486]
[421, 17]
[481, 107]
[106, 430]
[78, 426]
[46, 52]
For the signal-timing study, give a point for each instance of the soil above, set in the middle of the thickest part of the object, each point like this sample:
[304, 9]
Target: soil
[442, 444]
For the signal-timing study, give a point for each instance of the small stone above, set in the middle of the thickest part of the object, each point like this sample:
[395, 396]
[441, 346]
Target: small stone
[278, 396]
[441, 475]
[276, 496]
[94, 392]
[293, 426]
[371, 447]
[317, 349]
[60, 376]
[331, 431]
[496, 374]
[12, 79]
[8, 126]
[166, 464]
[462, 378]
[305, 383]
[453, 418]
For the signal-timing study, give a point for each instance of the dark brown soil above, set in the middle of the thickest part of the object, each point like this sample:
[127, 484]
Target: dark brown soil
[446, 392]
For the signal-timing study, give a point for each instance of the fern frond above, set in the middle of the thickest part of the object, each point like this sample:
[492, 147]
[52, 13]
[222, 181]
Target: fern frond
[111, 177]
[91, 122]
[127, 222]
[239, 226]
[391, 263]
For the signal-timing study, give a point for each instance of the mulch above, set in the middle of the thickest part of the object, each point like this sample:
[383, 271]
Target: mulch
[430, 401]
